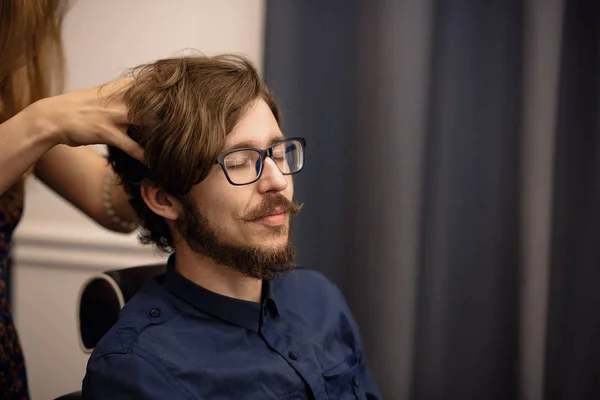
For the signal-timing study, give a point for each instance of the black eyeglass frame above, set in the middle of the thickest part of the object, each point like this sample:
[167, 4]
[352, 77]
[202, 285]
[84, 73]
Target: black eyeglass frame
[263, 155]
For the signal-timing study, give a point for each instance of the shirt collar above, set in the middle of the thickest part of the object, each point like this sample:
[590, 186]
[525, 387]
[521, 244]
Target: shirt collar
[245, 314]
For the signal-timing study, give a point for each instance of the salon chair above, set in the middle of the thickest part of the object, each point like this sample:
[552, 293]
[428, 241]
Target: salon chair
[100, 301]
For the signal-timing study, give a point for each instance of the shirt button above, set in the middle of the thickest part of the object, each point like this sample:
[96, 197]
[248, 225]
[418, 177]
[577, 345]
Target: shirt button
[155, 312]
[293, 355]
[355, 381]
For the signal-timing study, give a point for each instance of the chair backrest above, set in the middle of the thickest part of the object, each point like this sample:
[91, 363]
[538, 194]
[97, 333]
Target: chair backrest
[102, 297]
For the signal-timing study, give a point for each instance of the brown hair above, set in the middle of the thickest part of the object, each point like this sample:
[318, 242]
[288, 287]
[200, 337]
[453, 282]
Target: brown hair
[181, 110]
[31, 52]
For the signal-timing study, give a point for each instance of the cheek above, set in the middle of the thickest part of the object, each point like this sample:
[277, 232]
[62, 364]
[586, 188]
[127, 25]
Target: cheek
[215, 196]
[220, 211]
[224, 205]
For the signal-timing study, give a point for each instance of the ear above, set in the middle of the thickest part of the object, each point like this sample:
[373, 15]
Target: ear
[160, 202]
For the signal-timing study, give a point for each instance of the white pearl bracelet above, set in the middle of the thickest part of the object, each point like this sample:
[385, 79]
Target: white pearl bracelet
[108, 184]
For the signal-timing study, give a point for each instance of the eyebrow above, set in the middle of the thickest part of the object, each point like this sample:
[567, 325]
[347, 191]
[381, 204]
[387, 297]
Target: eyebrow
[250, 144]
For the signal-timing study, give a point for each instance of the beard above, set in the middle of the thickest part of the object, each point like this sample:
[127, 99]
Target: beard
[251, 261]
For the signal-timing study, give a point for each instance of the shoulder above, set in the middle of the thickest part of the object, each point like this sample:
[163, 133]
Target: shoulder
[149, 309]
[110, 377]
[123, 352]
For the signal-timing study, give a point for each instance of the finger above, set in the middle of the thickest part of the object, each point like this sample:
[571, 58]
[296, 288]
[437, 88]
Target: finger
[129, 146]
[134, 150]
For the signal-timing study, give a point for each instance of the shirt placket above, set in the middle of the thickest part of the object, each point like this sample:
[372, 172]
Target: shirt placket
[294, 353]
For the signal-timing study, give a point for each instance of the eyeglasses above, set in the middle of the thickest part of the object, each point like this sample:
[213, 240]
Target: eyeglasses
[245, 166]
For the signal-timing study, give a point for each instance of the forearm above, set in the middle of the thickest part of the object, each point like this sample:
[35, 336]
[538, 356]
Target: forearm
[79, 176]
[23, 140]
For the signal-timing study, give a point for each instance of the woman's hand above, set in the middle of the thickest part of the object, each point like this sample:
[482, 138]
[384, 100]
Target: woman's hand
[91, 116]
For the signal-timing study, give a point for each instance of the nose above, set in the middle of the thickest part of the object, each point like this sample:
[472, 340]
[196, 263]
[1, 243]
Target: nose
[271, 179]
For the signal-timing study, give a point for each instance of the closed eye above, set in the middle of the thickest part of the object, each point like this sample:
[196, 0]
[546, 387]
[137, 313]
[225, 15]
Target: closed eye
[238, 163]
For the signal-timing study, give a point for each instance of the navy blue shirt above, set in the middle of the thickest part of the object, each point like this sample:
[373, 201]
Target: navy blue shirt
[177, 340]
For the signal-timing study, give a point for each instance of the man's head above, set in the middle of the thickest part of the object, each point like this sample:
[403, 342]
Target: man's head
[199, 120]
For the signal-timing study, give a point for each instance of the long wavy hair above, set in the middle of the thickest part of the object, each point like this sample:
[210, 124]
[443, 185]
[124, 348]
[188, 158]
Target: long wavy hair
[32, 59]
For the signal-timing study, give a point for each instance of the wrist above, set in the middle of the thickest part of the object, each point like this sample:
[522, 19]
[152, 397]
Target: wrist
[41, 126]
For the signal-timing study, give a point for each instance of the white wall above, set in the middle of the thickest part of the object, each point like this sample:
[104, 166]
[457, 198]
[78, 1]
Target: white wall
[57, 248]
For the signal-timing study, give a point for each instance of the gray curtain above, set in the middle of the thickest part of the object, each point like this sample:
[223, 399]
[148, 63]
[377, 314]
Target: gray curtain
[446, 191]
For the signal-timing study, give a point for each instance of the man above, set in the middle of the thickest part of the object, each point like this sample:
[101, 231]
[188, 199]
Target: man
[232, 318]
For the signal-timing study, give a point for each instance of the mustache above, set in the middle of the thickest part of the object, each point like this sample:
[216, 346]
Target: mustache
[269, 204]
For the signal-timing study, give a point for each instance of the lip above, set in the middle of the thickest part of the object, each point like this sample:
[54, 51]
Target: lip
[275, 217]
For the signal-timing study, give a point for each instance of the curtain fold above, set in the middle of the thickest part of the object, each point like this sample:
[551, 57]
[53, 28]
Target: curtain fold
[468, 294]
[543, 19]
[573, 348]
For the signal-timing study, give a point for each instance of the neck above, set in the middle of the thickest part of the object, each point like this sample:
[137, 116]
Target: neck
[205, 272]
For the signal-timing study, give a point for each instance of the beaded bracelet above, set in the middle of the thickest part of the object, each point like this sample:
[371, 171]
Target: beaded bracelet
[108, 185]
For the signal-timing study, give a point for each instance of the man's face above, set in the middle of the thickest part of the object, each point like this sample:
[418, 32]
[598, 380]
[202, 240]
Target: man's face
[245, 227]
